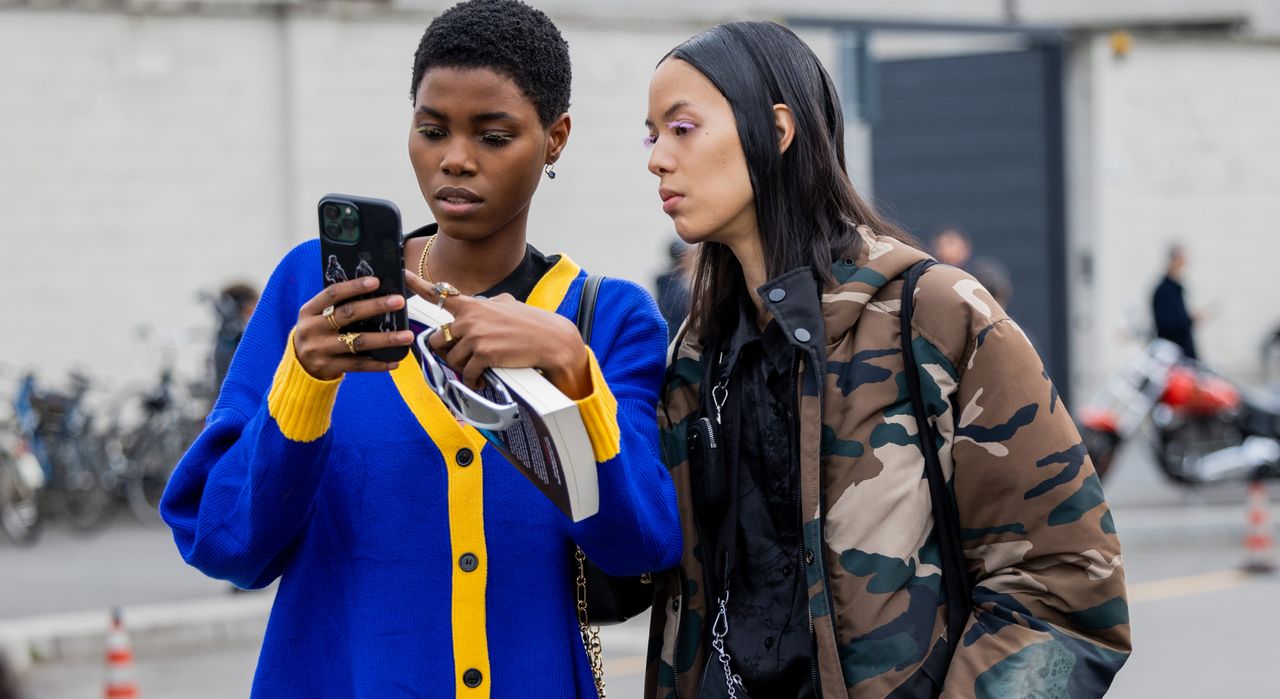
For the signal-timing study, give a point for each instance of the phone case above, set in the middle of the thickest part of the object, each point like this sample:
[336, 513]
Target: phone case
[377, 250]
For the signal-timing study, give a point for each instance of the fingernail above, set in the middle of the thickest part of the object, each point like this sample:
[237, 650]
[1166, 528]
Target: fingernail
[394, 365]
[405, 337]
[370, 282]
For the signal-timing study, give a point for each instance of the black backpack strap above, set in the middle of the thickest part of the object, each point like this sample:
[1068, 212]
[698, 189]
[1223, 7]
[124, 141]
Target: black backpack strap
[587, 306]
[955, 578]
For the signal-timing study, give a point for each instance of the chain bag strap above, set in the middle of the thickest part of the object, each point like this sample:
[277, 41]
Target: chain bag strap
[590, 634]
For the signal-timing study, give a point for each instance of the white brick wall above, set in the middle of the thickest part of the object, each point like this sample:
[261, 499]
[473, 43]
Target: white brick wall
[145, 157]
[139, 162]
[1177, 141]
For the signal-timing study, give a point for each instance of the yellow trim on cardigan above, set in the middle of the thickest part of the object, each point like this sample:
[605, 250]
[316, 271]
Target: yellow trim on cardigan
[600, 415]
[466, 524]
[599, 409]
[301, 404]
[549, 292]
[466, 483]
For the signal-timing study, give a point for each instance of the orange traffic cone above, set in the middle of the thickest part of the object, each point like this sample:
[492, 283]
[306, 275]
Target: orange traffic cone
[1259, 544]
[120, 677]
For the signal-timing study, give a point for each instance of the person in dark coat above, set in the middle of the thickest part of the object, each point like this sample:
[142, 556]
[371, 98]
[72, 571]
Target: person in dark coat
[673, 290]
[1169, 306]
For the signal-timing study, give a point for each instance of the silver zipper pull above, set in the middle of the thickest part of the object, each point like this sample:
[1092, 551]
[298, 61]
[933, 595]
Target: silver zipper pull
[719, 395]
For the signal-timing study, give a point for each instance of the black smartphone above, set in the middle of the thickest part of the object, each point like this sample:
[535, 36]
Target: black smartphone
[360, 237]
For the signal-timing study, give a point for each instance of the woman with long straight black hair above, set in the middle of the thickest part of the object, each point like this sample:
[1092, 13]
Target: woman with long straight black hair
[826, 551]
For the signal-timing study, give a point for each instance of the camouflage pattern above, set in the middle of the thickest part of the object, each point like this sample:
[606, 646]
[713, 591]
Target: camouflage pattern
[1050, 616]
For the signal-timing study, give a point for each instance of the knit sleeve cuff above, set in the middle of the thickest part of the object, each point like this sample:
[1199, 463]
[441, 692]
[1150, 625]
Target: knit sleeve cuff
[300, 403]
[599, 412]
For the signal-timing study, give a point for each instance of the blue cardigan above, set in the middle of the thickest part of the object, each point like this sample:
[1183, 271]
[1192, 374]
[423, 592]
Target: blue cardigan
[413, 560]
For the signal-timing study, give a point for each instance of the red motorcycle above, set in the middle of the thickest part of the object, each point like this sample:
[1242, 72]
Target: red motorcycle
[1206, 429]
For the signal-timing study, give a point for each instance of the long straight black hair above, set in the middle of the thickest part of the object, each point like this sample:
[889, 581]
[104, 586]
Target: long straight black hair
[807, 210]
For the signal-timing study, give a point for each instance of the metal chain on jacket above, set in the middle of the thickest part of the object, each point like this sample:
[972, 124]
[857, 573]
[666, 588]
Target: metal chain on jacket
[590, 634]
[720, 629]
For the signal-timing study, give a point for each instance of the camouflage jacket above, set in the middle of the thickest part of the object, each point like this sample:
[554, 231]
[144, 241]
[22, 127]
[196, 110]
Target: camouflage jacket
[1050, 617]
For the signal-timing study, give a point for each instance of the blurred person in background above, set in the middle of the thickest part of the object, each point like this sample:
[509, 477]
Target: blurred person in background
[952, 247]
[812, 560]
[8, 681]
[234, 307]
[413, 559]
[673, 289]
[1169, 305]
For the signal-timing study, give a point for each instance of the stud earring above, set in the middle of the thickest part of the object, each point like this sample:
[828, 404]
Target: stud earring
[550, 169]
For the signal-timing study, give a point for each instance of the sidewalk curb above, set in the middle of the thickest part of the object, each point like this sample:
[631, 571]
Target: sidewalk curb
[220, 620]
[1159, 526]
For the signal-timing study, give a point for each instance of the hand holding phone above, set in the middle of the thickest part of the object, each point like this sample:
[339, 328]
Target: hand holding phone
[358, 322]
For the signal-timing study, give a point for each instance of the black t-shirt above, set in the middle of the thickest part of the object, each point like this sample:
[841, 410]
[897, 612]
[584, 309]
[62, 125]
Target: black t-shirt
[522, 279]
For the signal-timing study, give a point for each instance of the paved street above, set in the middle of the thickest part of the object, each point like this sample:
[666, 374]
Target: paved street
[1201, 628]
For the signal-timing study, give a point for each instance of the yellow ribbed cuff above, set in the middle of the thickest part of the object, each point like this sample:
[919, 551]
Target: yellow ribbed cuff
[300, 403]
[600, 415]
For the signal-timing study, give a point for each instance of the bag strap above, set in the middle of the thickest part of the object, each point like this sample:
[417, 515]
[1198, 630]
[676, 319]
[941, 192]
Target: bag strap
[587, 306]
[590, 634]
[955, 578]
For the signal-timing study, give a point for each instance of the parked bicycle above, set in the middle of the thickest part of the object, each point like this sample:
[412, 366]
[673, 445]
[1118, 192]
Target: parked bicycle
[55, 428]
[154, 426]
[21, 481]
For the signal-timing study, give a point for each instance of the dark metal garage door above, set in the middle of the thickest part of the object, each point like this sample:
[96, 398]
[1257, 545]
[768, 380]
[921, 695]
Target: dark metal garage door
[975, 142]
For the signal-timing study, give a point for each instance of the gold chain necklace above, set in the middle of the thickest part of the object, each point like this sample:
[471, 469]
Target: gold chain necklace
[422, 261]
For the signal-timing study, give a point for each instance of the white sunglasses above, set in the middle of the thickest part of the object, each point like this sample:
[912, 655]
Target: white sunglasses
[495, 412]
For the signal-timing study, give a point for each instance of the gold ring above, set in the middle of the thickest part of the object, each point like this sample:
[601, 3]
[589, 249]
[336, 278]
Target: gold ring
[350, 339]
[443, 291]
[328, 315]
[447, 332]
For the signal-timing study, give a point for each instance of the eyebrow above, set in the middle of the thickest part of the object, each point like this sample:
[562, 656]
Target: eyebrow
[670, 111]
[479, 118]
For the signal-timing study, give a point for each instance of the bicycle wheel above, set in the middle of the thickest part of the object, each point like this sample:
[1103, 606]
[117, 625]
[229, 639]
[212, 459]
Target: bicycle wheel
[81, 496]
[153, 460]
[19, 508]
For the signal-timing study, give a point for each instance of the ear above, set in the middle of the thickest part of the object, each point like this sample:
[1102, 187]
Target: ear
[558, 136]
[784, 123]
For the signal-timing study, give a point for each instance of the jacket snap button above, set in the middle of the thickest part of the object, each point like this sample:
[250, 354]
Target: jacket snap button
[468, 562]
[675, 604]
[464, 457]
[802, 334]
[777, 295]
[808, 556]
[472, 678]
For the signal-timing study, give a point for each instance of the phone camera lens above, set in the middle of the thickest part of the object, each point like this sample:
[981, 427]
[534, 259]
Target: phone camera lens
[348, 224]
[330, 211]
[332, 229]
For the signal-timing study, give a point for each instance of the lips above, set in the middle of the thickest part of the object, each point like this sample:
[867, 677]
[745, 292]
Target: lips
[670, 199]
[457, 201]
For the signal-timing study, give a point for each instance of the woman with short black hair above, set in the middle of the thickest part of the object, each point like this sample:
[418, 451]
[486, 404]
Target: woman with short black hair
[413, 560]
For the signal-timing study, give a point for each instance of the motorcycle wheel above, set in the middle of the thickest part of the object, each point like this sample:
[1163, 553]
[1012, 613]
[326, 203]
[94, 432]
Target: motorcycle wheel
[1182, 443]
[1101, 447]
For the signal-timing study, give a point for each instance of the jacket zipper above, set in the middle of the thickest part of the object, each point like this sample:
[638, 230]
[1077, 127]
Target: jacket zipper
[675, 644]
[795, 455]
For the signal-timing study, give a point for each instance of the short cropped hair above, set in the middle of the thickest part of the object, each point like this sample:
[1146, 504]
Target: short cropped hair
[508, 37]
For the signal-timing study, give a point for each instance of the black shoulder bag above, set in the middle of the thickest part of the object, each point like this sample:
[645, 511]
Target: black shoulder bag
[955, 578]
[609, 599]
[603, 599]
